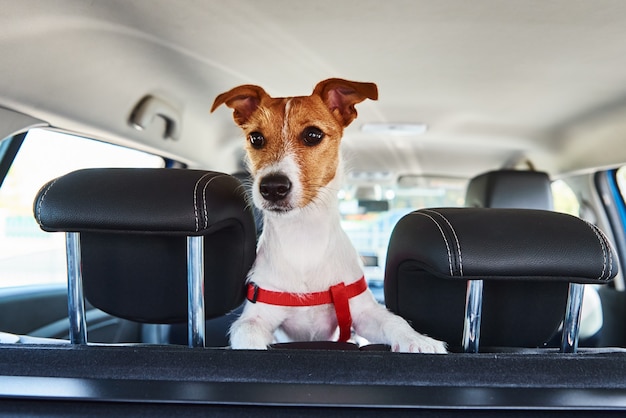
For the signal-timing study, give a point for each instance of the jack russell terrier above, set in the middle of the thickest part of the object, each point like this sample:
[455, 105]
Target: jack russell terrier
[307, 279]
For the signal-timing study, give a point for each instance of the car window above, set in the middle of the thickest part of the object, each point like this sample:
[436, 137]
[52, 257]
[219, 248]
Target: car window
[620, 175]
[27, 254]
[370, 212]
[565, 199]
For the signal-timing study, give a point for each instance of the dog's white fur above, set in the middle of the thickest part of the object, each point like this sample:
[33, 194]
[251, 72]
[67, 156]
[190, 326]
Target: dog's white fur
[305, 250]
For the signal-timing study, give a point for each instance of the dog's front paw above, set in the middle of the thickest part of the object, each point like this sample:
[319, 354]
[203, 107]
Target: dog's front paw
[246, 344]
[248, 334]
[419, 344]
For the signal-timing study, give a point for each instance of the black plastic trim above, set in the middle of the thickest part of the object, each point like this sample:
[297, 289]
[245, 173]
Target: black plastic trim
[533, 380]
[8, 153]
[303, 394]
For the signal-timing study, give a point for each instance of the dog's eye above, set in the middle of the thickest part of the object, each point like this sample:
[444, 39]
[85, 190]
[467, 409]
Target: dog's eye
[312, 136]
[257, 140]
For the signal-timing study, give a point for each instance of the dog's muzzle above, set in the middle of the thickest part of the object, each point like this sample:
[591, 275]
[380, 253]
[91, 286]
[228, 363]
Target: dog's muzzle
[275, 187]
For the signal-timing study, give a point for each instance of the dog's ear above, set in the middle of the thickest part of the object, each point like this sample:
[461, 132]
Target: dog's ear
[244, 100]
[341, 95]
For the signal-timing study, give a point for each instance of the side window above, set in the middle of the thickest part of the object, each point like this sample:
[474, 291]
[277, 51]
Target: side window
[27, 254]
[369, 212]
[621, 181]
[565, 199]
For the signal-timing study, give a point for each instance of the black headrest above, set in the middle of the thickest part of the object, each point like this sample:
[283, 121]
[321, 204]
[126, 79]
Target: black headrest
[510, 189]
[525, 257]
[170, 201]
[133, 226]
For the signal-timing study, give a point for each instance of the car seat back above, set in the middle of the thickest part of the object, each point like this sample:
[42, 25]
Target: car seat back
[498, 277]
[151, 245]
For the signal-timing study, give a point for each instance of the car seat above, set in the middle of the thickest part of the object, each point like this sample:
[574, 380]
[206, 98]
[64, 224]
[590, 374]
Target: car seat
[530, 189]
[494, 277]
[151, 245]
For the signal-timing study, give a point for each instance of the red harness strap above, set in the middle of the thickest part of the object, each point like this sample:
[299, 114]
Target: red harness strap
[339, 295]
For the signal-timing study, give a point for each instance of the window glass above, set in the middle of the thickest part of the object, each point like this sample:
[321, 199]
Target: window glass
[27, 254]
[370, 212]
[621, 181]
[565, 199]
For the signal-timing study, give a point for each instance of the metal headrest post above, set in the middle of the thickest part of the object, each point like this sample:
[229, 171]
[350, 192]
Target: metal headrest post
[195, 289]
[473, 312]
[75, 298]
[571, 323]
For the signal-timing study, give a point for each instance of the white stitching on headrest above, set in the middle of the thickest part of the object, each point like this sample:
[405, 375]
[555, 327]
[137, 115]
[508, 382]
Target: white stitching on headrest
[602, 244]
[195, 200]
[608, 249]
[40, 203]
[442, 234]
[456, 238]
[607, 245]
[206, 212]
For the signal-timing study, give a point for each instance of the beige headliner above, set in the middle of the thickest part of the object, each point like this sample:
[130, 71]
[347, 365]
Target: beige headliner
[496, 81]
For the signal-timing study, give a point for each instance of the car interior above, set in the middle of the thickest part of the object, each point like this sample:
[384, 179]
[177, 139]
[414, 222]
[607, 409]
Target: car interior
[484, 192]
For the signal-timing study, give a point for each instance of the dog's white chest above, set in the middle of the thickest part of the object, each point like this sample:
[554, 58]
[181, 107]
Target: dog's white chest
[316, 323]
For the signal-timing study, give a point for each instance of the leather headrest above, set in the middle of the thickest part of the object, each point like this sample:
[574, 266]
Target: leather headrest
[510, 189]
[526, 259]
[133, 226]
[502, 244]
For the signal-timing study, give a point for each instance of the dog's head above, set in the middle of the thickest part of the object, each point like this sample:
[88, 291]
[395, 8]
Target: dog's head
[293, 142]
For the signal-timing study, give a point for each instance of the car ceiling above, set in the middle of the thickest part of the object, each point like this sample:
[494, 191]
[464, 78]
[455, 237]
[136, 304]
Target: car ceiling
[497, 82]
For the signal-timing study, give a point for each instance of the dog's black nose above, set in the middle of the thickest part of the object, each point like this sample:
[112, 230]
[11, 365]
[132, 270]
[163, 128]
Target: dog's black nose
[274, 187]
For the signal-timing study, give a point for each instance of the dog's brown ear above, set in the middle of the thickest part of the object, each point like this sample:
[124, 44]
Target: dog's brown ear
[244, 100]
[341, 95]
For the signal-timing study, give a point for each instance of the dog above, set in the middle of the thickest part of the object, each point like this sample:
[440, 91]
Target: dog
[307, 280]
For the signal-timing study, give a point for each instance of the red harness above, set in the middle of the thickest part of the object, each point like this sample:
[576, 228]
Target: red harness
[338, 295]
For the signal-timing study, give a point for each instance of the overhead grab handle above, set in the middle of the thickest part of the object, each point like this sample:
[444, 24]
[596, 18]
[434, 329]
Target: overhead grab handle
[148, 108]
